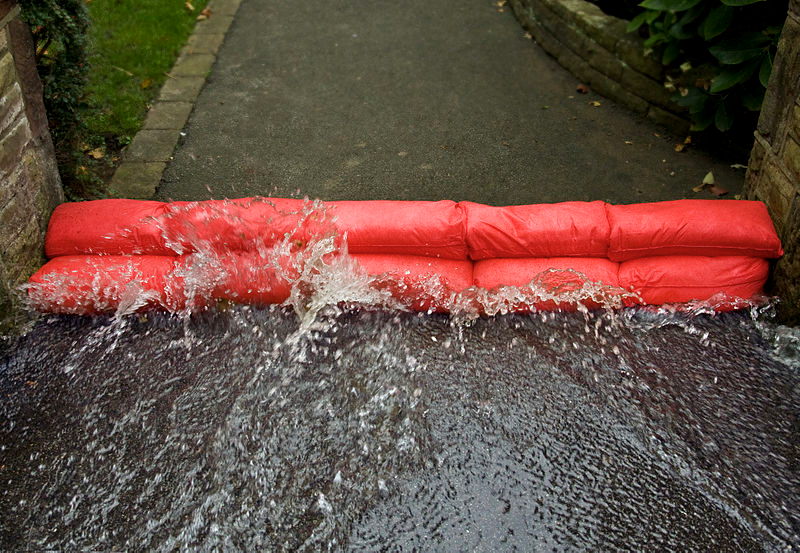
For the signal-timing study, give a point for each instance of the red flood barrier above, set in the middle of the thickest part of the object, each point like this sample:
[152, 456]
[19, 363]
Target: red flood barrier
[426, 254]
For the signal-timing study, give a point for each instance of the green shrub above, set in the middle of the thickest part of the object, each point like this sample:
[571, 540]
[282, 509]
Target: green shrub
[59, 29]
[719, 53]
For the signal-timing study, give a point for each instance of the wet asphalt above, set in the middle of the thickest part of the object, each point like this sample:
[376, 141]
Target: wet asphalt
[415, 101]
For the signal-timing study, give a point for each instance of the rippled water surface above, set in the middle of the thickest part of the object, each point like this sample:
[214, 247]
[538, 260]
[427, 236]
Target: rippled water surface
[368, 430]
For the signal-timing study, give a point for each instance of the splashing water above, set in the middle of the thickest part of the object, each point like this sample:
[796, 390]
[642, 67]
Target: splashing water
[314, 426]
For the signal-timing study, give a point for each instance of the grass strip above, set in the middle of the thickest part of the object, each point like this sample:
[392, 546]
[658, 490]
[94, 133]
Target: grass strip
[132, 47]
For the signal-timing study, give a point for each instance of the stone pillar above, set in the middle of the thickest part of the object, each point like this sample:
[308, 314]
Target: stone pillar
[30, 187]
[773, 175]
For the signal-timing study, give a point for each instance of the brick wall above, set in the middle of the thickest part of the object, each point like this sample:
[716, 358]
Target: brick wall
[29, 184]
[597, 49]
[774, 169]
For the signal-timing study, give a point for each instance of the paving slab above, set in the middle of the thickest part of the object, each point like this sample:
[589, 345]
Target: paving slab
[414, 100]
[168, 115]
[136, 179]
[184, 89]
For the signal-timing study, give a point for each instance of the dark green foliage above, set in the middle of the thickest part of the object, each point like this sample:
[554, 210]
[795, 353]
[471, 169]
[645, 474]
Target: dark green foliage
[719, 53]
[60, 31]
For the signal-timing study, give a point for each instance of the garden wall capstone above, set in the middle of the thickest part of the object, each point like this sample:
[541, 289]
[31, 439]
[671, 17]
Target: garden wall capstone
[597, 49]
[30, 187]
[773, 174]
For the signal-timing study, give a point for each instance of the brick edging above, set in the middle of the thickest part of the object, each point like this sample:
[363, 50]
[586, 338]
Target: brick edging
[597, 49]
[146, 158]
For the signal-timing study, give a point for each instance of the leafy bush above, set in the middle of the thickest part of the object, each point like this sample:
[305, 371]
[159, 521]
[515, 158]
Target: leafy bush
[720, 53]
[60, 32]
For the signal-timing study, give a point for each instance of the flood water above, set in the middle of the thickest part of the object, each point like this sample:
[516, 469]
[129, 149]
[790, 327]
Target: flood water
[375, 430]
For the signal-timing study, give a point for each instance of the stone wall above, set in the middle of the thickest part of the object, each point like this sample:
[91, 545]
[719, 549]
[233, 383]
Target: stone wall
[30, 187]
[773, 175]
[597, 49]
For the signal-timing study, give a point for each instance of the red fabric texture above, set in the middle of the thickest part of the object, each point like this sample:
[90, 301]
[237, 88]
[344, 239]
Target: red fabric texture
[433, 229]
[246, 224]
[424, 283]
[554, 276]
[491, 273]
[118, 227]
[692, 227]
[673, 279]
[112, 227]
[249, 278]
[91, 284]
[568, 229]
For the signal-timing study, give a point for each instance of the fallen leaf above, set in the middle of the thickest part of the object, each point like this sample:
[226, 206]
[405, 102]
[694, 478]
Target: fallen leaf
[189, 6]
[528, 36]
[501, 3]
[146, 83]
[687, 140]
[582, 88]
[680, 147]
[201, 17]
[545, 107]
[97, 153]
[628, 142]
[738, 166]
[717, 191]
[708, 181]
[206, 12]
[656, 135]
[596, 104]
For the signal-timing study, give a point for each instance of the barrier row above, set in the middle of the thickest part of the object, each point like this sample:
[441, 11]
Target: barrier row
[107, 252]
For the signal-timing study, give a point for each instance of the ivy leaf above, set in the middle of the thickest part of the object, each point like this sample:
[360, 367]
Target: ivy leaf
[704, 118]
[765, 71]
[723, 119]
[637, 21]
[752, 99]
[717, 21]
[743, 47]
[669, 5]
[654, 39]
[740, 2]
[733, 75]
[695, 99]
[670, 53]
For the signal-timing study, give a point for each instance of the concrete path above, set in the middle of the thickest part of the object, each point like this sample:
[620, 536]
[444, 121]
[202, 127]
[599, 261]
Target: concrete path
[433, 99]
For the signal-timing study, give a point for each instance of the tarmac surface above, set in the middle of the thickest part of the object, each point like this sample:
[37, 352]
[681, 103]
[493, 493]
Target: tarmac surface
[414, 100]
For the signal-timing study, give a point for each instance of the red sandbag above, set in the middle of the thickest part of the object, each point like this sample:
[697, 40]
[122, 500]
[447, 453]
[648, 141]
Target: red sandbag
[118, 227]
[432, 229]
[555, 283]
[490, 273]
[90, 284]
[112, 227]
[249, 278]
[423, 283]
[692, 227]
[673, 279]
[246, 224]
[568, 229]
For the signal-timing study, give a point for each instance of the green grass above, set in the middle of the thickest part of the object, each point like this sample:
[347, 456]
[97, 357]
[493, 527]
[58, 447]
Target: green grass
[133, 44]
